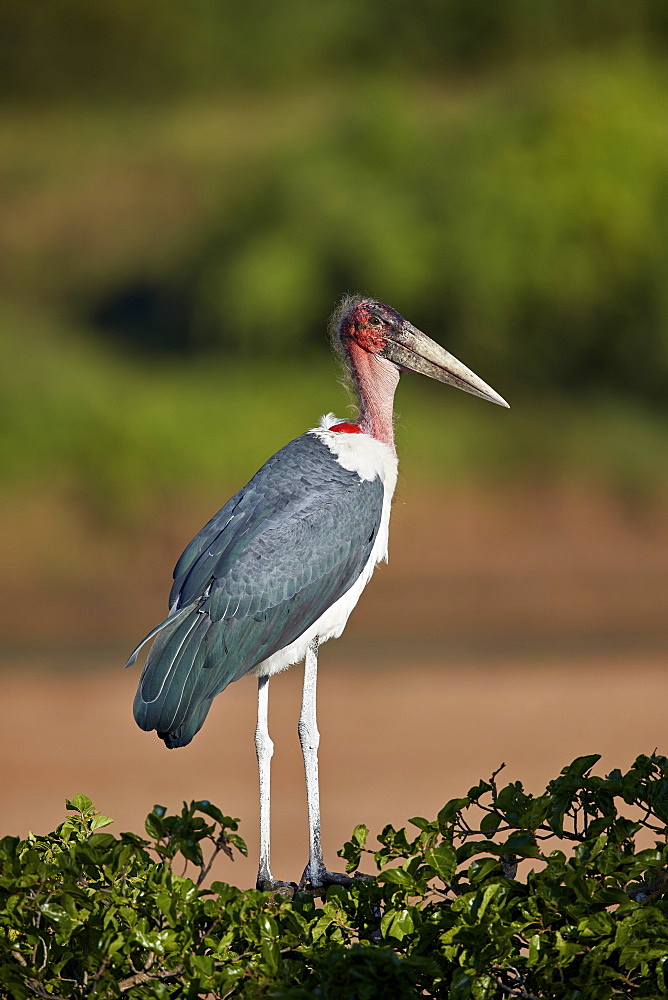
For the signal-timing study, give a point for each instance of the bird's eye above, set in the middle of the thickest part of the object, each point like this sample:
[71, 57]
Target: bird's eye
[375, 320]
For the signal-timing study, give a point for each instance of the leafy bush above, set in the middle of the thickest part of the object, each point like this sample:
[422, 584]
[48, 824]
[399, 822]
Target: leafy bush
[503, 895]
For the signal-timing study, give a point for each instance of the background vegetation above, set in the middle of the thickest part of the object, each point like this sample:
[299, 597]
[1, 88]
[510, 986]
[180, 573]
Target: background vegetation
[188, 191]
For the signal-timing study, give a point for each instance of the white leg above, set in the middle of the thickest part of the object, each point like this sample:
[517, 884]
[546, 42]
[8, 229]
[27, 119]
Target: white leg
[315, 872]
[309, 737]
[264, 748]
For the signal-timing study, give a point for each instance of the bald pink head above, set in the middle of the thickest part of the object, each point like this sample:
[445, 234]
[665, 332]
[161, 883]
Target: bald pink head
[378, 344]
[360, 329]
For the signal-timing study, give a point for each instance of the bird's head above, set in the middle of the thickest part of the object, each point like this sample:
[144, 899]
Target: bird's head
[379, 330]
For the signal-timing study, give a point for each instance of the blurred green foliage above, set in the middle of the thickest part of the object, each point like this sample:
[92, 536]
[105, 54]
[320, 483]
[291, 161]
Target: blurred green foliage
[157, 48]
[118, 434]
[189, 190]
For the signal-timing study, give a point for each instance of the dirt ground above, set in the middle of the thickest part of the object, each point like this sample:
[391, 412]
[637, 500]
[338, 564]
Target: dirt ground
[468, 566]
[525, 626]
[399, 738]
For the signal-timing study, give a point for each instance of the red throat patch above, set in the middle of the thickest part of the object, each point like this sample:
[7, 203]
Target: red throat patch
[345, 428]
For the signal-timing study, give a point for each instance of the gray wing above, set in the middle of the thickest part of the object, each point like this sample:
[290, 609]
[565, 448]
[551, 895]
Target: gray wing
[260, 573]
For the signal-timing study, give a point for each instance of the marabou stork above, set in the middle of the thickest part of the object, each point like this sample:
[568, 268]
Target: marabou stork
[280, 567]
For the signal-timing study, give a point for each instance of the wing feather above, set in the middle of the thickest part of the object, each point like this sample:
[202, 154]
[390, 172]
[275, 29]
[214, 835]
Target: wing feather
[257, 576]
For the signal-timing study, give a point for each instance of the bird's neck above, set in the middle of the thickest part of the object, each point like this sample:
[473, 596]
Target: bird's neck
[376, 381]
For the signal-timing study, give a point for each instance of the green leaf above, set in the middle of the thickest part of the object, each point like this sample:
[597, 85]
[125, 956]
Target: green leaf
[423, 824]
[270, 954]
[460, 985]
[397, 924]
[597, 925]
[490, 893]
[490, 822]
[204, 964]
[319, 928]
[360, 834]
[481, 868]
[450, 810]
[478, 790]
[443, 860]
[227, 822]
[534, 950]
[101, 841]
[97, 822]
[522, 844]
[80, 802]
[153, 825]
[190, 850]
[352, 849]
[484, 988]
[579, 767]
[398, 876]
[236, 841]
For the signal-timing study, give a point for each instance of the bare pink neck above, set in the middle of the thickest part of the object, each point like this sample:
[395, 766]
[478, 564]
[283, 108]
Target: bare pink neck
[376, 380]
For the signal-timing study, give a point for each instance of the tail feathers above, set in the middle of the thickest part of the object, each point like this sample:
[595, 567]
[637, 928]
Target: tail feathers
[171, 620]
[183, 734]
[176, 695]
[175, 691]
[168, 654]
[193, 659]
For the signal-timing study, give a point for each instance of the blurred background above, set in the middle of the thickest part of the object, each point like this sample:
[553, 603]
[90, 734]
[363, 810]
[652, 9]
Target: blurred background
[186, 192]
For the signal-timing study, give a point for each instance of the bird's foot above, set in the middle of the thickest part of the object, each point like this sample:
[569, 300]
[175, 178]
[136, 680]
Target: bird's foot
[320, 879]
[265, 883]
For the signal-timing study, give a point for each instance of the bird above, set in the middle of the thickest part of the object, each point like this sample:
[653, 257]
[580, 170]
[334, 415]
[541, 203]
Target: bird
[278, 570]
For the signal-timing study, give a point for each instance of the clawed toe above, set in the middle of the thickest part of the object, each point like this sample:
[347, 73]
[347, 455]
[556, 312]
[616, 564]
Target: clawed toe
[286, 889]
[323, 879]
[309, 882]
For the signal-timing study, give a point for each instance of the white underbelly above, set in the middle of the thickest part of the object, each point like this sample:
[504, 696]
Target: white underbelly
[330, 625]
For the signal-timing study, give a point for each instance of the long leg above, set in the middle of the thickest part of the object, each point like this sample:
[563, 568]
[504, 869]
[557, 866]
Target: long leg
[264, 748]
[315, 872]
[309, 738]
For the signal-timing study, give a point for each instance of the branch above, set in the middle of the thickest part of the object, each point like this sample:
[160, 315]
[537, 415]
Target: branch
[517, 989]
[648, 893]
[38, 990]
[220, 844]
[98, 975]
[145, 977]
[512, 991]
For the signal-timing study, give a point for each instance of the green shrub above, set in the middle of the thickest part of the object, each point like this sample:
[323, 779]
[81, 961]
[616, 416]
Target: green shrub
[503, 895]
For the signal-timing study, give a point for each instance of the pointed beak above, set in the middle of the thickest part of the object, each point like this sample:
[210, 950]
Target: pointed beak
[413, 350]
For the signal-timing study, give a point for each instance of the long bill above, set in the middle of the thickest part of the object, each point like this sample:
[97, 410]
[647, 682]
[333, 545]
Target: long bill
[415, 351]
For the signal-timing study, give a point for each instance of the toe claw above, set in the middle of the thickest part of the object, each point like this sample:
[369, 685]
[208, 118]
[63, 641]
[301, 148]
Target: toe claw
[285, 889]
[325, 878]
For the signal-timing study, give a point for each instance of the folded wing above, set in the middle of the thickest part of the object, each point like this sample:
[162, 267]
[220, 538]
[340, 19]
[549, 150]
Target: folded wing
[254, 579]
